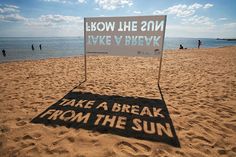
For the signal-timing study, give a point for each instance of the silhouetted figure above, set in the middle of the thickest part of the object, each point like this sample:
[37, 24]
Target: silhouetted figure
[199, 43]
[32, 47]
[40, 47]
[181, 46]
[4, 53]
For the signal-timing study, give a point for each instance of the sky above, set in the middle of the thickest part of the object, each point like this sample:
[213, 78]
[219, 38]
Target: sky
[58, 18]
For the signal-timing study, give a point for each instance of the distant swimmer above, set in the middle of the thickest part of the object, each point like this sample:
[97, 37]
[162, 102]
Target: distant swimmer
[199, 43]
[4, 53]
[40, 47]
[32, 47]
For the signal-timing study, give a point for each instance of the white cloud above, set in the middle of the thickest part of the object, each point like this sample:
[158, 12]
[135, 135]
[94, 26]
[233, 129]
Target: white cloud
[11, 6]
[183, 10]
[190, 31]
[66, 1]
[10, 13]
[198, 20]
[222, 19]
[137, 12]
[231, 25]
[58, 1]
[59, 18]
[56, 25]
[208, 5]
[55, 21]
[46, 25]
[12, 18]
[190, 23]
[96, 8]
[81, 1]
[6, 9]
[195, 6]
[204, 29]
[226, 30]
[113, 4]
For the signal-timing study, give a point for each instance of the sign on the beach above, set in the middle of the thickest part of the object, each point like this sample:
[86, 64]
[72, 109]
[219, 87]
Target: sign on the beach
[133, 35]
[126, 116]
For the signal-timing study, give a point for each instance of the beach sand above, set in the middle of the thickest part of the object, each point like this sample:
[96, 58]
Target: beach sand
[198, 85]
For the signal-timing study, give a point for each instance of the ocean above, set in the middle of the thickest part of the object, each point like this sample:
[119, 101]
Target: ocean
[19, 48]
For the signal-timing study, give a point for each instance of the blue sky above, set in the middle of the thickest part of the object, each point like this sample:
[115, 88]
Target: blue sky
[185, 18]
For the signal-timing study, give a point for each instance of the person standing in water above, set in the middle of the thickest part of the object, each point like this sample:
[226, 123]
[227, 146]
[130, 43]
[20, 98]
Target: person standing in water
[199, 44]
[32, 47]
[4, 53]
[40, 47]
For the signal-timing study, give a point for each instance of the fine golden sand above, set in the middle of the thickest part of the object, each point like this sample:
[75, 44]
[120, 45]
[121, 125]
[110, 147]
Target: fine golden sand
[199, 88]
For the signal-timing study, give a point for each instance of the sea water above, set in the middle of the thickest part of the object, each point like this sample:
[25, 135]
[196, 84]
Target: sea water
[19, 48]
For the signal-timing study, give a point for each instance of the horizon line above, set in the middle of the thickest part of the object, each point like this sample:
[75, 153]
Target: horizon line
[83, 36]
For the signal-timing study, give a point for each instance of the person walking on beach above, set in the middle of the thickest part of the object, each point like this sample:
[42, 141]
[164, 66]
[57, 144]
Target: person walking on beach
[199, 43]
[32, 47]
[4, 53]
[40, 47]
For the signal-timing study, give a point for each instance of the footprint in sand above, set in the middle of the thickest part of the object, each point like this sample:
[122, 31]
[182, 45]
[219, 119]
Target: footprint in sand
[32, 136]
[62, 133]
[93, 133]
[21, 123]
[132, 149]
[4, 129]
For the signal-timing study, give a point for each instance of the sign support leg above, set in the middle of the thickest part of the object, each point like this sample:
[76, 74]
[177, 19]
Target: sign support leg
[159, 72]
[85, 57]
[85, 67]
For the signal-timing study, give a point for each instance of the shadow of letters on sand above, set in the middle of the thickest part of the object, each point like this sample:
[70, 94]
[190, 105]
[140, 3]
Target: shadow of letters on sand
[137, 117]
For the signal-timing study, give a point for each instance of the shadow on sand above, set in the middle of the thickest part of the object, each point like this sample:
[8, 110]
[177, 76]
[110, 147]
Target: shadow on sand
[136, 117]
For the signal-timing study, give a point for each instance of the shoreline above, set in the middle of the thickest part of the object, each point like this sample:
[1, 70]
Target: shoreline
[82, 55]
